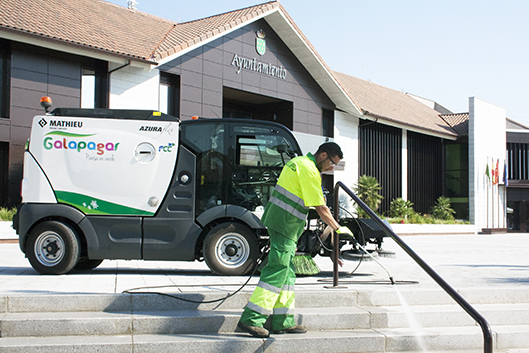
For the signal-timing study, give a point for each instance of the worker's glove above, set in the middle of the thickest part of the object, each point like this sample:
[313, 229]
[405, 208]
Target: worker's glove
[344, 230]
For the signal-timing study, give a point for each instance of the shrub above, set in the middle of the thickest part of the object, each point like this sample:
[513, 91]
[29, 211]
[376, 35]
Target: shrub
[401, 208]
[442, 209]
[7, 214]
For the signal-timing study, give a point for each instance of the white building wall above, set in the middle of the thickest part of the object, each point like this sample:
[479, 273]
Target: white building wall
[134, 88]
[404, 164]
[346, 135]
[487, 143]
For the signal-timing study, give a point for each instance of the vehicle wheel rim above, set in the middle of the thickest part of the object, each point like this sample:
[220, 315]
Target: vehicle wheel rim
[232, 250]
[49, 249]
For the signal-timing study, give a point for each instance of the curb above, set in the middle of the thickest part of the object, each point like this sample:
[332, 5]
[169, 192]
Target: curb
[7, 233]
[433, 229]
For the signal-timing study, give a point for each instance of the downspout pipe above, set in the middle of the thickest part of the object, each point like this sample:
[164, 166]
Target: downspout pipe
[108, 81]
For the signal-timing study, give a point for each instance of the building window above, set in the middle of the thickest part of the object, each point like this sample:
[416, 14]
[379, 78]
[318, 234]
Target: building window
[328, 122]
[456, 176]
[380, 156]
[4, 79]
[94, 85]
[88, 89]
[4, 168]
[425, 171]
[518, 161]
[170, 94]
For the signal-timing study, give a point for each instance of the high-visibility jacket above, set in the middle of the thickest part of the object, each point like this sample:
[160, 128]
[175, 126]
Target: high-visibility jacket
[297, 189]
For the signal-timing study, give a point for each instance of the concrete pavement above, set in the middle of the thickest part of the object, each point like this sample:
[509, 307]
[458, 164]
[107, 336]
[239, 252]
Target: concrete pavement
[464, 261]
[86, 312]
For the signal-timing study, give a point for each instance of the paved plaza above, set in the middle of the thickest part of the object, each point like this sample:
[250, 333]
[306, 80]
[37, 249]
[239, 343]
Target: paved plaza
[462, 260]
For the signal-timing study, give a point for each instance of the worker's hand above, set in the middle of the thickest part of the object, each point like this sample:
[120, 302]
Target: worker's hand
[344, 230]
[340, 261]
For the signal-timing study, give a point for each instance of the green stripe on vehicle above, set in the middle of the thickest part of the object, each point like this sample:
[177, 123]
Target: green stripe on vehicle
[91, 205]
[68, 134]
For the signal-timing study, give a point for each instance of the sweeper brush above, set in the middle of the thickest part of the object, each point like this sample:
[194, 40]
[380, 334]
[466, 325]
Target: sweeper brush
[305, 265]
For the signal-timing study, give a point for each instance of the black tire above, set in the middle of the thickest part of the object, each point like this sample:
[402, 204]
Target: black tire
[52, 248]
[85, 264]
[231, 249]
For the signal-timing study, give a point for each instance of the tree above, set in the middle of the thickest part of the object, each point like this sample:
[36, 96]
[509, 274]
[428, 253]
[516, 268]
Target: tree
[367, 189]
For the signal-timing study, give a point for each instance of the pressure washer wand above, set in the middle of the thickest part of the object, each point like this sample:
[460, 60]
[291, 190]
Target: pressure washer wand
[368, 253]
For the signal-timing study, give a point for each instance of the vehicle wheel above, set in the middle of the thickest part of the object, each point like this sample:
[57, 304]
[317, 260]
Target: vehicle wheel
[52, 248]
[85, 264]
[231, 249]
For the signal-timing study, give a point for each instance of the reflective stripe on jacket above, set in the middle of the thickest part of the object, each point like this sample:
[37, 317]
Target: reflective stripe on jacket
[298, 188]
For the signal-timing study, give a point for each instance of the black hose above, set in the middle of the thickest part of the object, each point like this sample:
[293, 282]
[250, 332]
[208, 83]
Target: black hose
[259, 262]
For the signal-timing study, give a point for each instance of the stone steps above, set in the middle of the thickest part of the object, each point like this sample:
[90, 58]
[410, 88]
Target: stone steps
[448, 339]
[338, 321]
[44, 324]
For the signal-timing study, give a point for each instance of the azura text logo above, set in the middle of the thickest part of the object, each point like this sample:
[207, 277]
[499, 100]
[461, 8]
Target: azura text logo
[151, 128]
[76, 142]
[168, 129]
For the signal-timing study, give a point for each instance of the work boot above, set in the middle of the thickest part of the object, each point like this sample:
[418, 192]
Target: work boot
[255, 331]
[292, 329]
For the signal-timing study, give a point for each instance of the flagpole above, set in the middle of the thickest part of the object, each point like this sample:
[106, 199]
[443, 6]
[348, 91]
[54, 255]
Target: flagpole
[499, 208]
[492, 193]
[487, 173]
[498, 189]
[505, 184]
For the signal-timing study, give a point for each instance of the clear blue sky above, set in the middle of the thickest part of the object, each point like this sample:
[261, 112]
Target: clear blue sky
[446, 50]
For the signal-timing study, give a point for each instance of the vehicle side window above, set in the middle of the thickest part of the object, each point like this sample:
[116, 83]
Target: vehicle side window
[260, 154]
[259, 147]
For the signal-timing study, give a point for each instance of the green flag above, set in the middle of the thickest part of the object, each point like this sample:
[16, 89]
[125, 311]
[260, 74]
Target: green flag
[487, 172]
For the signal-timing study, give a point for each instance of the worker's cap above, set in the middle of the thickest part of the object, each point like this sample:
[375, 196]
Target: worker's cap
[331, 148]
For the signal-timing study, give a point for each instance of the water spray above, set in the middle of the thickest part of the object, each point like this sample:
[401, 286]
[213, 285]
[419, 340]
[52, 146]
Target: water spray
[368, 253]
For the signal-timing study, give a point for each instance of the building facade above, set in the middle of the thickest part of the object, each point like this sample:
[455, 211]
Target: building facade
[250, 63]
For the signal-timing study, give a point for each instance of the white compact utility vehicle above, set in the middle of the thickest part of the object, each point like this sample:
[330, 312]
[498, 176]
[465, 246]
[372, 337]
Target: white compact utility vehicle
[126, 184]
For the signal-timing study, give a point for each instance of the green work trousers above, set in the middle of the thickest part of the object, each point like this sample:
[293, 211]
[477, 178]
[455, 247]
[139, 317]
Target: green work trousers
[274, 294]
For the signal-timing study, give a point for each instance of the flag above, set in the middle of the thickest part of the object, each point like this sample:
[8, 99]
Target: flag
[497, 173]
[487, 172]
[505, 176]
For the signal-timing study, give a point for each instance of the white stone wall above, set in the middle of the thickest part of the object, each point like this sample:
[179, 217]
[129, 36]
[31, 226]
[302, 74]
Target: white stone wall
[346, 135]
[404, 185]
[487, 143]
[134, 88]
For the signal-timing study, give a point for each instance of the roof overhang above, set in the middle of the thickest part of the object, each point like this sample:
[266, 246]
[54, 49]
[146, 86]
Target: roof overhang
[390, 122]
[311, 61]
[72, 48]
[303, 51]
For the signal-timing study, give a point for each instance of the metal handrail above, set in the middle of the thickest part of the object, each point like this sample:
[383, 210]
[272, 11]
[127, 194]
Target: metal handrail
[485, 327]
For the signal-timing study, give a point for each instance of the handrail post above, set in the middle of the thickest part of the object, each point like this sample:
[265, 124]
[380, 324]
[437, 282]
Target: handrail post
[485, 327]
[336, 240]
[336, 245]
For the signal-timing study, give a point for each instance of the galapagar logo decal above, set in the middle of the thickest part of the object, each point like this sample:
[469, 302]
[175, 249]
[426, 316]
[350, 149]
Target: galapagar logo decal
[77, 142]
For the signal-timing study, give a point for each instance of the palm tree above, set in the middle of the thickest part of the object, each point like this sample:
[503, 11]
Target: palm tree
[367, 189]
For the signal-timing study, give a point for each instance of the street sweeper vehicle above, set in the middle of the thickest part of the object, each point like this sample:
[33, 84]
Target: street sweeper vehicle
[129, 184]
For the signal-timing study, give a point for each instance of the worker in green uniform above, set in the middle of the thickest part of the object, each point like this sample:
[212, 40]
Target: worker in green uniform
[297, 189]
